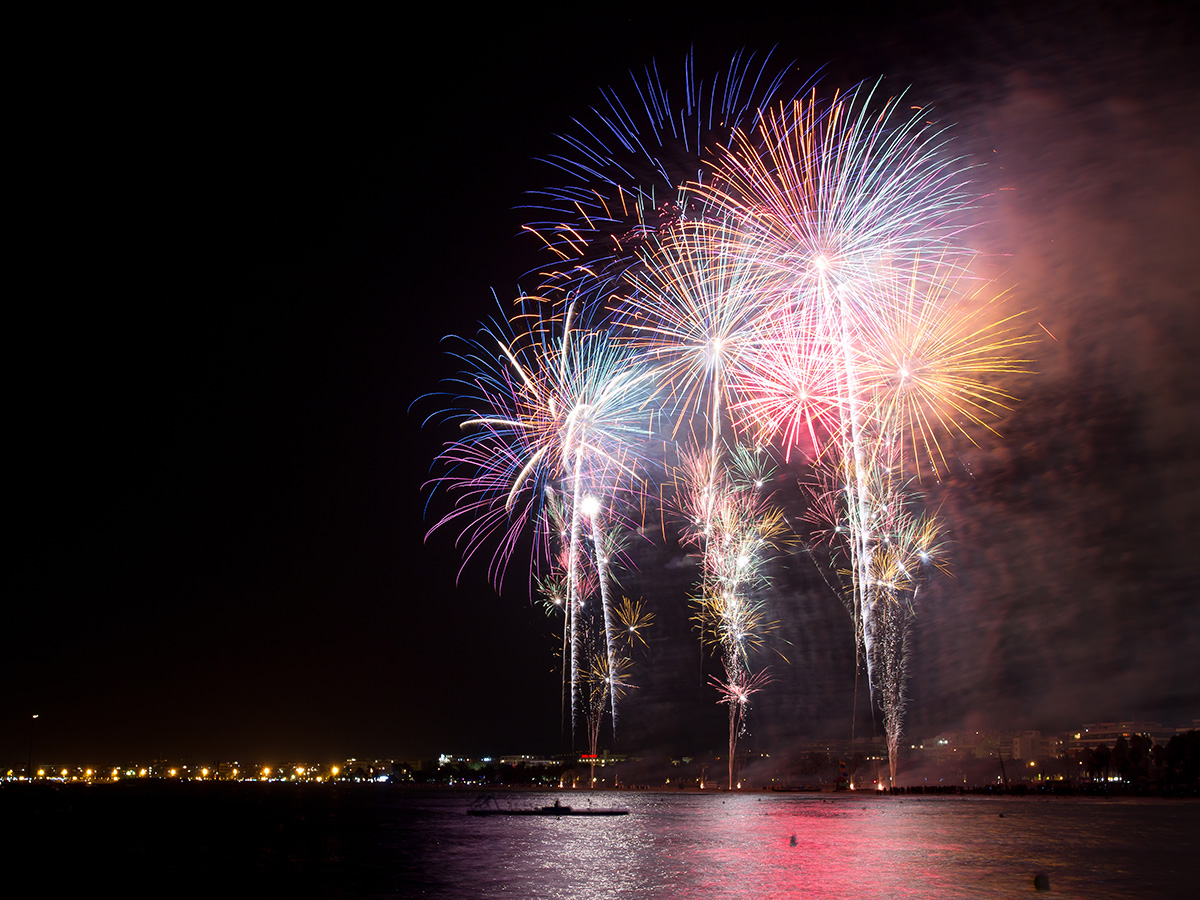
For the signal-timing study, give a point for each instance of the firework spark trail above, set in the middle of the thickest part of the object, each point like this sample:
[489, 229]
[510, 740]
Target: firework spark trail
[593, 575]
[560, 590]
[603, 396]
[594, 511]
[901, 541]
[925, 367]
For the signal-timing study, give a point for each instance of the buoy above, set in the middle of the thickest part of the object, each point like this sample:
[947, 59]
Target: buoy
[1041, 882]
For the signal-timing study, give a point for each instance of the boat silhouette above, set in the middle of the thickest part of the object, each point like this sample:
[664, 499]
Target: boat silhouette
[556, 809]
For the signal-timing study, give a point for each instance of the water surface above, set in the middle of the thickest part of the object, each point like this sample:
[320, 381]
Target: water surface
[740, 846]
[349, 841]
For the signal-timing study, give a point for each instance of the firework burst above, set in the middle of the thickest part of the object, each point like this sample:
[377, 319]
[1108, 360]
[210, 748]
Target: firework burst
[622, 167]
[841, 194]
[936, 356]
[758, 270]
[552, 429]
[789, 383]
[691, 311]
[546, 409]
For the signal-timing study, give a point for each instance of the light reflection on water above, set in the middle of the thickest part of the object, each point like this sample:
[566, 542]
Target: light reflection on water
[739, 846]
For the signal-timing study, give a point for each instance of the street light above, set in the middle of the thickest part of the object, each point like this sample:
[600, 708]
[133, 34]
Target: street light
[29, 768]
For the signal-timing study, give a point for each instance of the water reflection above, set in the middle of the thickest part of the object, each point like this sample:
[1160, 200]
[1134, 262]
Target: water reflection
[740, 846]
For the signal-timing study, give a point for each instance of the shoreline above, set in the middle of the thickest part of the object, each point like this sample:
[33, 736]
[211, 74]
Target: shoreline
[151, 786]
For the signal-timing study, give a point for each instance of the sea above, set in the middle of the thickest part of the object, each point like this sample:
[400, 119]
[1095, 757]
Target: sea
[375, 841]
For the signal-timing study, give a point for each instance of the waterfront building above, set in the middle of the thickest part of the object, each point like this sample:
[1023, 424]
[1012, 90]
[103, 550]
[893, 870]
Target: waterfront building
[1106, 734]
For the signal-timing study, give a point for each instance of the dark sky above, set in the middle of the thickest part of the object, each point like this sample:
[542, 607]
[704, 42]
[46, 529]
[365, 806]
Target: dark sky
[237, 246]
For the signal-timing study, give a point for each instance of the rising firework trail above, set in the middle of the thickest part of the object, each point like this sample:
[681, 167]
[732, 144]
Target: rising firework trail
[555, 414]
[910, 549]
[736, 530]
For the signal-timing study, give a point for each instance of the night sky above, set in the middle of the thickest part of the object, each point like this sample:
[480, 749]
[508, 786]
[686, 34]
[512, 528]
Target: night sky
[236, 247]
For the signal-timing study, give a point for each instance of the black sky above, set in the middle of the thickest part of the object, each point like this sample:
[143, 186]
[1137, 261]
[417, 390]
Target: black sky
[238, 245]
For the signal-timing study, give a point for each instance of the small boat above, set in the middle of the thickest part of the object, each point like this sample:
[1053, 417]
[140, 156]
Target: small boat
[556, 809]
